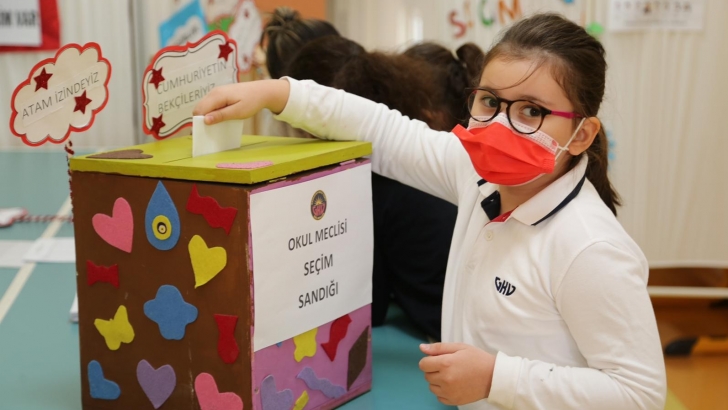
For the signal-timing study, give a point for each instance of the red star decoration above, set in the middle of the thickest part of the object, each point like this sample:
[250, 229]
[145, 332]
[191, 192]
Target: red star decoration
[157, 78]
[81, 103]
[225, 51]
[41, 80]
[157, 124]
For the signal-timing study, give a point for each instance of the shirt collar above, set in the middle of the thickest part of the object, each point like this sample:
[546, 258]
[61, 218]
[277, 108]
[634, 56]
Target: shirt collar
[543, 205]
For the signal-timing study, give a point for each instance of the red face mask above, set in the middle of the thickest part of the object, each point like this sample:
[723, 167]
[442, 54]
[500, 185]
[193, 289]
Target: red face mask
[504, 156]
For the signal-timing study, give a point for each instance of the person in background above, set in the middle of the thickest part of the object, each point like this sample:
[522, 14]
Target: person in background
[412, 229]
[454, 73]
[322, 58]
[284, 34]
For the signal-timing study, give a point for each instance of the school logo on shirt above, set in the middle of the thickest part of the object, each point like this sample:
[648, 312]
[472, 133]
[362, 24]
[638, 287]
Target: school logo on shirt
[318, 205]
[503, 287]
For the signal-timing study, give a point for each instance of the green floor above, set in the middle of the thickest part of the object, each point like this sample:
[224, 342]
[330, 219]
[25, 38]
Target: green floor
[39, 361]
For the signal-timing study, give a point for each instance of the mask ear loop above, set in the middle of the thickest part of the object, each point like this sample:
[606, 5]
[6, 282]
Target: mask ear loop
[566, 147]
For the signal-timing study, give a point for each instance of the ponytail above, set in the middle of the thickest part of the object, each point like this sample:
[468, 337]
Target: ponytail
[286, 33]
[472, 57]
[597, 168]
[453, 76]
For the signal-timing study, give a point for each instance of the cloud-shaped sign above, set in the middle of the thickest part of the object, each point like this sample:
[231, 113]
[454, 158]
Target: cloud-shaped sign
[62, 94]
[180, 76]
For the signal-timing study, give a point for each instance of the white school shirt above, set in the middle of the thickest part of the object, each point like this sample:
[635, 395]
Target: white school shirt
[557, 291]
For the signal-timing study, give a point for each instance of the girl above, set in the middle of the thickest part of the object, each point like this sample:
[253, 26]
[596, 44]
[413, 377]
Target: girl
[545, 303]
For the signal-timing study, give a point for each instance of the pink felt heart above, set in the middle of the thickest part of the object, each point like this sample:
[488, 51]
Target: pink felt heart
[211, 399]
[118, 229]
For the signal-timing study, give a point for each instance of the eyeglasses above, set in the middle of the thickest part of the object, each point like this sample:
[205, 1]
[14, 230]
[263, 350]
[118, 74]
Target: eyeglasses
[521, 113]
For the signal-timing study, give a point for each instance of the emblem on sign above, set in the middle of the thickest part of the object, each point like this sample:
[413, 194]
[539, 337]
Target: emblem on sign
[318, 205]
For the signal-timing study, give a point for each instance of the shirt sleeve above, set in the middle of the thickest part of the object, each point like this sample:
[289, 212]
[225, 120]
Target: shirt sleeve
[604, 301]
[403, 149]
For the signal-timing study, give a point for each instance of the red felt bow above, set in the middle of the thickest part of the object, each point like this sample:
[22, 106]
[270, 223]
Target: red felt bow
[108, 274]
[207, 206]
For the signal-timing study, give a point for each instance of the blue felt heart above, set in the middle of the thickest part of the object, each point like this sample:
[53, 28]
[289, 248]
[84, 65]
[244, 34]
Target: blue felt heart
[100, 387]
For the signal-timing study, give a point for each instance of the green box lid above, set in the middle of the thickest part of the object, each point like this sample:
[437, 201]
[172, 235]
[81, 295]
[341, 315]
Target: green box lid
[172, 158]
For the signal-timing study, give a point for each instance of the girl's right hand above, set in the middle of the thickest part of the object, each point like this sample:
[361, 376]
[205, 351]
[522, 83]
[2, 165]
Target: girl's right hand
[243, 100]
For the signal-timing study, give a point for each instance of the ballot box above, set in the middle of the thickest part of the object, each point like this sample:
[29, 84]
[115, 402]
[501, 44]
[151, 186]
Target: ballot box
[235, 280]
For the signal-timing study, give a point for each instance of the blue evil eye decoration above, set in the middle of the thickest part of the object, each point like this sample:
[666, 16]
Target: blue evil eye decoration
[161, 221]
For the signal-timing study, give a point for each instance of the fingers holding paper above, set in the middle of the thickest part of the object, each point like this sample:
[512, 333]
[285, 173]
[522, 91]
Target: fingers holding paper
[242, 100]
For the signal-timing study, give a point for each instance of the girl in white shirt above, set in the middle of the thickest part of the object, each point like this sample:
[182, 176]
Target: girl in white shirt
[545, 303]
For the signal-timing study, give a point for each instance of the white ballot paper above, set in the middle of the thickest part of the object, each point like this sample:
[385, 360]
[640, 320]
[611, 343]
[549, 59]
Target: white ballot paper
[209, 139]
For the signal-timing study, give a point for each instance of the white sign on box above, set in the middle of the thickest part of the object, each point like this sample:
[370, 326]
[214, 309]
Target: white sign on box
[313, 246]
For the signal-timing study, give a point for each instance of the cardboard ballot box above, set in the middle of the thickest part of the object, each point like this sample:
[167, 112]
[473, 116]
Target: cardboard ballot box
[240, 279]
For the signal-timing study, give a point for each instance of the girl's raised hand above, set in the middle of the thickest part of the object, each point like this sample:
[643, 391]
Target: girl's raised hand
[243, 100]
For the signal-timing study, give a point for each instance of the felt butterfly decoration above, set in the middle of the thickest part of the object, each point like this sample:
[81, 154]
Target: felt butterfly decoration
[117, 330]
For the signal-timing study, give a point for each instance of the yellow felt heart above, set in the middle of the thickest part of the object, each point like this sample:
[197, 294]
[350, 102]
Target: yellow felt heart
[117, 330]
[206, 262]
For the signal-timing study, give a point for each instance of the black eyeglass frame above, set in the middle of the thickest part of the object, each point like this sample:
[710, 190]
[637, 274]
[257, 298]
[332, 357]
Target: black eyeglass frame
[544, 111]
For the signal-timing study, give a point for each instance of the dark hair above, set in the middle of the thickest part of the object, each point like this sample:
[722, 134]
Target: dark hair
[320, 59]
[397, 81]
[286, 33]
[454, 74]
[576, 60]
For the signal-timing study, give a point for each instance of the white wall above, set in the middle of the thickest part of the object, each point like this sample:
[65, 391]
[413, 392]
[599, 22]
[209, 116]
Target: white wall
[665, 110]
[665, 106]
[394, 24]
